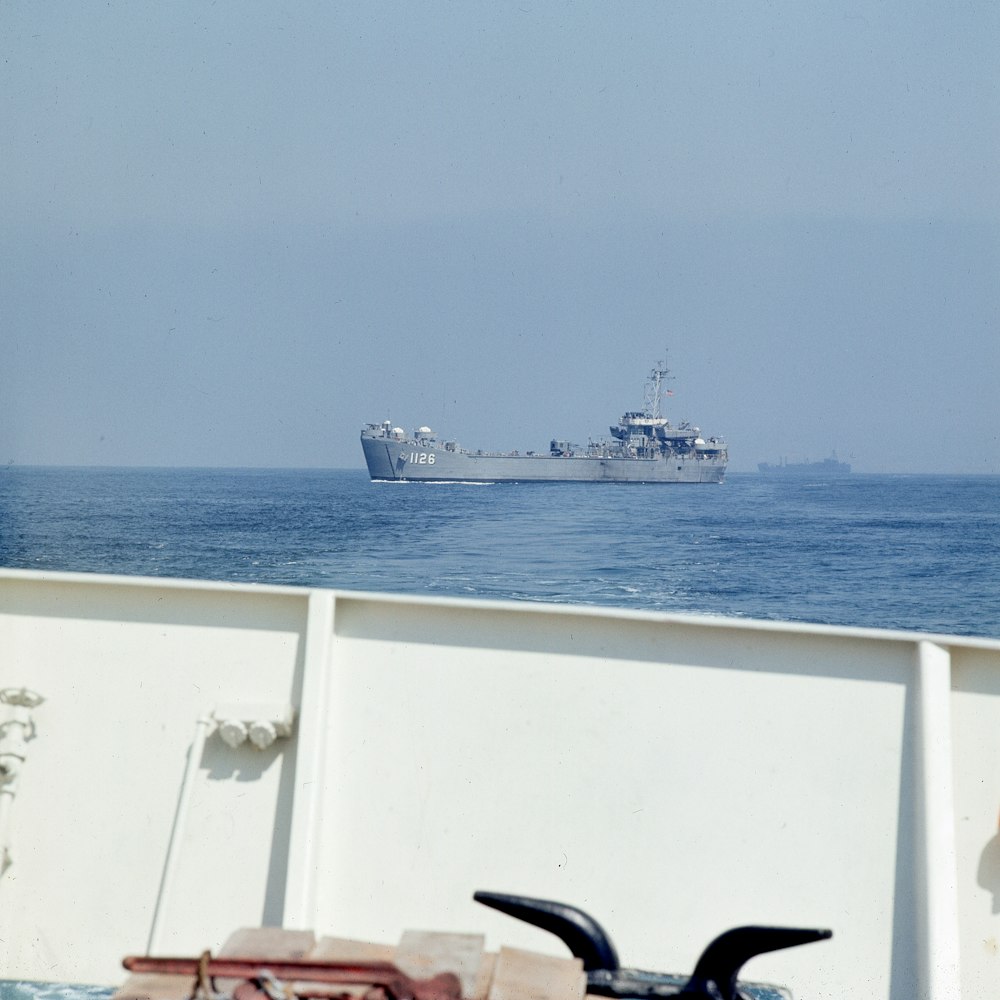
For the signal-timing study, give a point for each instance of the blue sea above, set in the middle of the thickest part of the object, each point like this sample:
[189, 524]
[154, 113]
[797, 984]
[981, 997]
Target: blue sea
[899, 552]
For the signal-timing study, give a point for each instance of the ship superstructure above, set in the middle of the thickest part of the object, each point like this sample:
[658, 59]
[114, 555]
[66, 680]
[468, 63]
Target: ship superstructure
[645, 447]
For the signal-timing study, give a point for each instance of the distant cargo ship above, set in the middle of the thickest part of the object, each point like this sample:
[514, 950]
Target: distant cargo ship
[645, 448]
[828, 467]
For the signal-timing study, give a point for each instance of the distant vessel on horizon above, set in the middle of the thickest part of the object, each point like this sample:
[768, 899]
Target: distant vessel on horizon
[828, 467]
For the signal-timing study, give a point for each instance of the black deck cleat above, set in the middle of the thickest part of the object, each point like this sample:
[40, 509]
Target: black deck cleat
[720, 963]
[580, 932]
[715, 974]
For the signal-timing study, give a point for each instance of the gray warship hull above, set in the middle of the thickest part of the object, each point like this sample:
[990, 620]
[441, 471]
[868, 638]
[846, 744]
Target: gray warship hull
[410, 461]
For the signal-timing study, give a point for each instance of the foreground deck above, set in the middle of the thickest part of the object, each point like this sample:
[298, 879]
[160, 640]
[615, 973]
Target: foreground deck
[672, 775]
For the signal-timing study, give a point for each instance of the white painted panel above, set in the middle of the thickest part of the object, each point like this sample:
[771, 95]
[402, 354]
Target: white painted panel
[126, 670]
[742, 779]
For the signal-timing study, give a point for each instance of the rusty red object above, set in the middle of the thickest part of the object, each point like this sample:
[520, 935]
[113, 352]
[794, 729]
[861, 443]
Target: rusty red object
[398, 985]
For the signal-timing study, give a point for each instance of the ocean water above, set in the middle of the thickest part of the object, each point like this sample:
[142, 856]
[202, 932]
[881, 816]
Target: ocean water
[909, 552]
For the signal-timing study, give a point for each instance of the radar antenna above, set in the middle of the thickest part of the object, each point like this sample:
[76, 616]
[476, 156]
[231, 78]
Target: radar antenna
[656, 389]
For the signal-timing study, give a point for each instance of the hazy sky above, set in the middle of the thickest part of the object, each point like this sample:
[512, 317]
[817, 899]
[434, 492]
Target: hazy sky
[233, 232]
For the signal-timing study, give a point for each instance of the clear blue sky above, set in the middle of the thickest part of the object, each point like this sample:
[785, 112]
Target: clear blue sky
[234, 232]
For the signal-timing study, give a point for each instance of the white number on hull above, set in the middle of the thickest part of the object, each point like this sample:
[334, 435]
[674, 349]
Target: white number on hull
[422, 457]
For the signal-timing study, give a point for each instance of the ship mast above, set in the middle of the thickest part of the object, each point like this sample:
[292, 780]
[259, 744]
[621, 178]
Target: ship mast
[656, 389]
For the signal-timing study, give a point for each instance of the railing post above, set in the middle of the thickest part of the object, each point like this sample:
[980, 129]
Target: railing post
[307, 812]
[936, 863]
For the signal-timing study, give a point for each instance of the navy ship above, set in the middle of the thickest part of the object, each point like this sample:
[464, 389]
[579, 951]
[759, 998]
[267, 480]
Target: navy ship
[644, 448]
[828, 467]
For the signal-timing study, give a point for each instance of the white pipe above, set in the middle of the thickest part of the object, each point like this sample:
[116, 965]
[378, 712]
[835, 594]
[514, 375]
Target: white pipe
[202, 730]
[937, 858]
